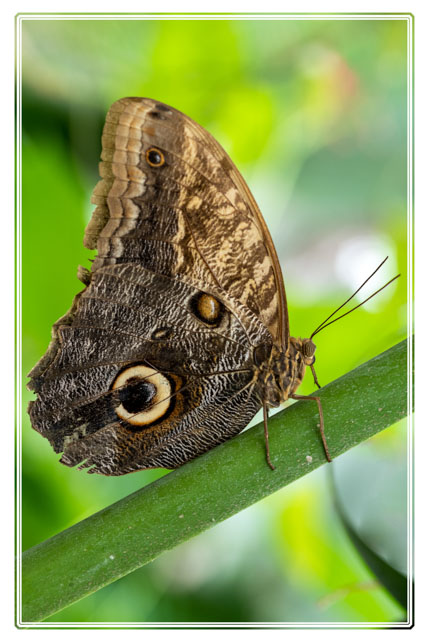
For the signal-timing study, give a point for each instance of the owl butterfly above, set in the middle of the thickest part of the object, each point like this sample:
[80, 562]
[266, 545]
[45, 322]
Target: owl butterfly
[181, 333]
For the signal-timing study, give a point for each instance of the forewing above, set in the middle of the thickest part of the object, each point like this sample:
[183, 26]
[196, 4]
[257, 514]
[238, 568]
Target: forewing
[210, 227]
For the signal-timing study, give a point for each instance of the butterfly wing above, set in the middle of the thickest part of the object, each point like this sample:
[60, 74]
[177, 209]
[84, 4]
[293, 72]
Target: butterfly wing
[154, 363]
[210, 216]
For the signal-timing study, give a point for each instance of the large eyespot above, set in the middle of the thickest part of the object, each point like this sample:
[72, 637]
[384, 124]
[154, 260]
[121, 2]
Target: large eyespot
[207, 308]
[154, 157]
[145, 395]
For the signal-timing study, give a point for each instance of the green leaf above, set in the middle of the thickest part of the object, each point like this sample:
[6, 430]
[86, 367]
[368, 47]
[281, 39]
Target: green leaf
[211, 488]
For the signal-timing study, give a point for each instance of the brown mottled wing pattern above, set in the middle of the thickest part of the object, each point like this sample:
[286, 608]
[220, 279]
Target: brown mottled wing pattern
[210, 216]
[154, 364]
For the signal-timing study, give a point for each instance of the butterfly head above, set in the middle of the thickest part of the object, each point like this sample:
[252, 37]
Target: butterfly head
[307, 348]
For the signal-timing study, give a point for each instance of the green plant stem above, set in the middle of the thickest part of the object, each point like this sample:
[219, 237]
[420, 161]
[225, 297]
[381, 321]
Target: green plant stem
[178, 506]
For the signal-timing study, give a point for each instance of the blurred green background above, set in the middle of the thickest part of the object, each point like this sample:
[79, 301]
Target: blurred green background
[314, 115]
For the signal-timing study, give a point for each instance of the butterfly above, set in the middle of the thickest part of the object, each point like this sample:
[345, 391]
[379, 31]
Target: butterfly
[181, 333]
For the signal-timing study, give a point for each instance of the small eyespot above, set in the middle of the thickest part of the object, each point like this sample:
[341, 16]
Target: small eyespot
[162, 333]
[207, 308]
[144, 394]
[154, 157]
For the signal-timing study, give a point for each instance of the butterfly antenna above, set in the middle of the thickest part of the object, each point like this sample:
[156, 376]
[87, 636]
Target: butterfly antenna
[348, 299]
[325, 322]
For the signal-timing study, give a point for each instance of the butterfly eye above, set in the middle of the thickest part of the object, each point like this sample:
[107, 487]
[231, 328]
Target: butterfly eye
[144, 394]
[154, 157]
[308, 348]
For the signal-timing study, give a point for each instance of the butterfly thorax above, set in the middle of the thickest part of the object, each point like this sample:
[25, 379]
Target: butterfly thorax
[280, 375]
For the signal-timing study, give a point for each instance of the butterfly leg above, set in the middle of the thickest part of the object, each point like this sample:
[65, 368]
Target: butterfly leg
[314, 375]
[295, 396]
[267, 448]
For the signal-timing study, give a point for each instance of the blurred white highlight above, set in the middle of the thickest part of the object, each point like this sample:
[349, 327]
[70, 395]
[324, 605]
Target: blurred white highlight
[357, 258]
